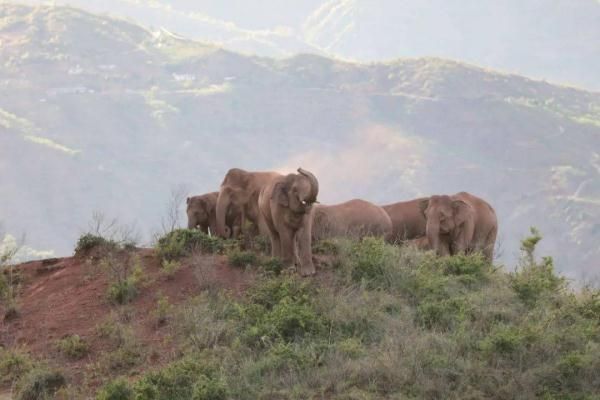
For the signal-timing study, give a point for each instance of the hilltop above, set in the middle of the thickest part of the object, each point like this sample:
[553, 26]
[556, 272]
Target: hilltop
[198, 317]
[102, 114]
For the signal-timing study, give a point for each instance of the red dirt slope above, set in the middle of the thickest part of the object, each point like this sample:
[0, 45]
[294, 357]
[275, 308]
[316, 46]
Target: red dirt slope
[66, 296]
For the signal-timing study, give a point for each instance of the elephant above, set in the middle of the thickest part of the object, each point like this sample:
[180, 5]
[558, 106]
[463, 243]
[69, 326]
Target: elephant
[201, 212]
[240, 189]
[285, 205]
[461, 223]
[408, 221]
[355, 218]
[421, 243]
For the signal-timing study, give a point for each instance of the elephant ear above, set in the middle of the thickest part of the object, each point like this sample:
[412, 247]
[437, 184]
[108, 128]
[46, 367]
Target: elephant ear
[462, 211]
[423, 204]
[280, 194]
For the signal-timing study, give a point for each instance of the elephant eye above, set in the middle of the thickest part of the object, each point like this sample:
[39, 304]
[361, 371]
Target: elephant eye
[303, 202]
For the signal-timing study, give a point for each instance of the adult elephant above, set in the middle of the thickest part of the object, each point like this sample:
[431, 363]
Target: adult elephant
[461, 223]
[285, 204]
[355, 218]
[408, 220]
[240, 189]
[202, 214]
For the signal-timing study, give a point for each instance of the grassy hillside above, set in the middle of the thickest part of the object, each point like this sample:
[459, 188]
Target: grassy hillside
[200, 318]
[101, 114]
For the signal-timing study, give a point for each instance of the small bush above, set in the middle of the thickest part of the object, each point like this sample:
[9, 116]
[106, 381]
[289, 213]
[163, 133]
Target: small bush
[89, 241]
[126, 351]
[503, 340]
[182, 242]
[182, 380]
[118, 389]
[373, 262]
[14, 364]
[279, 309]
[326, 246]
[170, 268]
[122, 292]
[39, 384]
[272, 265]
[241, 258]
[207, 388]
[73, 346]
[163, 309]
[535, 280]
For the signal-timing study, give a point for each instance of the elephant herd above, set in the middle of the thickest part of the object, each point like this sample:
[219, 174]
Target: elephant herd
[285, 208]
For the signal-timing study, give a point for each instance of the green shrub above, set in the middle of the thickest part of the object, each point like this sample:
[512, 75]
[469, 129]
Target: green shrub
[118, 389]
[535, 280]
[442, 314]
[163, 309]
[503, 340]
[73, 346]
[90, 241]
[468, 265]
[369, 259]
[170, 267]
[39, 384]
[122, 292]
[181, 242]
[272, 265]
[326, 246]
[207, 388]
[182, 380]
[279, 309]
[14, 363]
[241, 258]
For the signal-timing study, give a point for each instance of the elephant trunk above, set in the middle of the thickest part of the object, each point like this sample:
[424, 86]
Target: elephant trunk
[191, 223]
[314, 183]
[433, 234]
[223, 204]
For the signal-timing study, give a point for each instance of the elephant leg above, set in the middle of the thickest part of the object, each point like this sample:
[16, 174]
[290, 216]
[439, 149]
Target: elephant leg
[303, 240]
[275, 239]
[490, 242]
[444, 249]
[287, 244]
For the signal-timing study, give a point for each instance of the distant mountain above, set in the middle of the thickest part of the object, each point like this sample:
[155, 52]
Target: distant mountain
[556, 40]
[101, 114]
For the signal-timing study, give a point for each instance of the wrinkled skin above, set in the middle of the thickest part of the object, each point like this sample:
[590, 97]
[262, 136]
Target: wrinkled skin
[355, 219]
[201, 213]
[285, 205]
[408, 221]
[461, 223]
[240, 189]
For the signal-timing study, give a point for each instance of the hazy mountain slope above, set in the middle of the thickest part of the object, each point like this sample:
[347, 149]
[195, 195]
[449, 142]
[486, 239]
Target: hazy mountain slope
[100, 114]
[557, 40]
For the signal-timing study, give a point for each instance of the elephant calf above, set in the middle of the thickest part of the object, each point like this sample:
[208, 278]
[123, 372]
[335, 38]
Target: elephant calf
[201, 213]
[461, 223]
[355, 218]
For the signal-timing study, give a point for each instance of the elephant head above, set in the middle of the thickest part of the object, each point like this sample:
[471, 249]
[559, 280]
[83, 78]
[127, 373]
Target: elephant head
[198, 213]
[297, 192]
[450, 218]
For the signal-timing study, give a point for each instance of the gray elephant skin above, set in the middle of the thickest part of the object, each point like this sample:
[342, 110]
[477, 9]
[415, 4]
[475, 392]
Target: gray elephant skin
[202, 214]
[461, 223]
[279, 204]
[354, 219]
